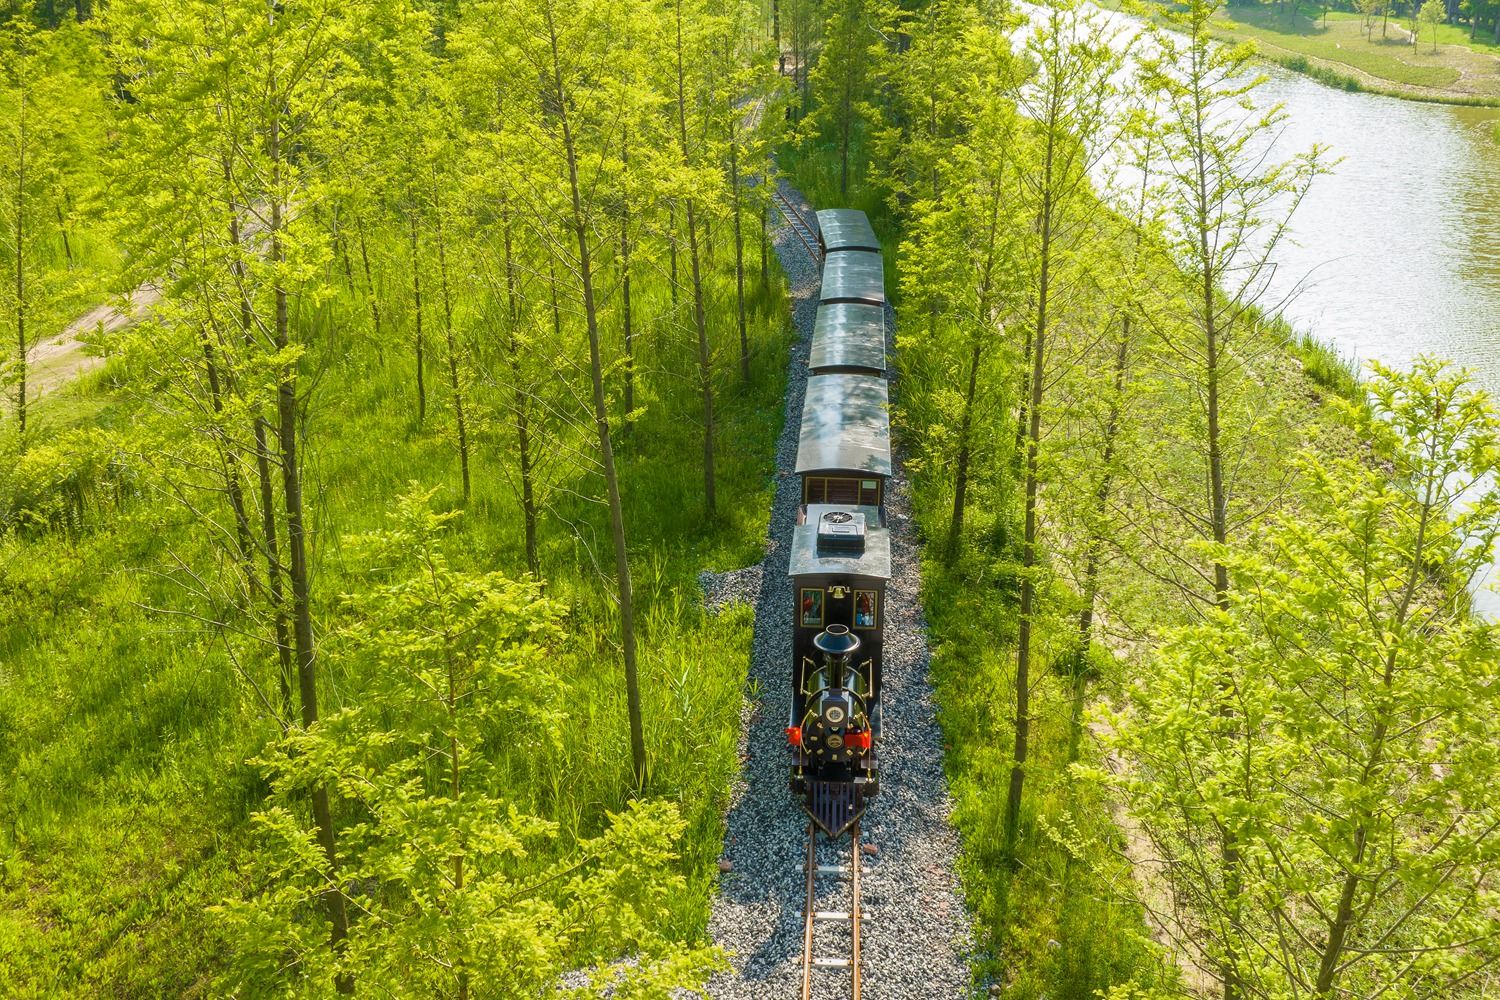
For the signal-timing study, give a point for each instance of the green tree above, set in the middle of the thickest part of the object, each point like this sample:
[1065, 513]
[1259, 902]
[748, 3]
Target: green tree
[1434, 13]
[962, 264]
[279, 82]
[695, 182]
[572, 118]
[844, 77]
[439, 865]
[47, 125]
[1069, 100]
[1227, 210]
[1336, 722]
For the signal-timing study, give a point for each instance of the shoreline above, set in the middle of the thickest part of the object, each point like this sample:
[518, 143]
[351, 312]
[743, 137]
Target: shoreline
[1335, 73]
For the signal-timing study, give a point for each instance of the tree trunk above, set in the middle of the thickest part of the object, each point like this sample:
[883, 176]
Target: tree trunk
[601, 422]
[62, 229]
[845, 129]
[22, 362]
[1101, 496]
[705, 370]
[522, 408]
[629, 331]
[552, 292]
[342, 246]
[454, 382]
[672, 249]
[269, 528]
[739, 243]
[961, 477]
[1081, 668]
[1219, 524]
[1029, 535]
[302, 629]
[364, 256]
[416, 289]
[232, 487]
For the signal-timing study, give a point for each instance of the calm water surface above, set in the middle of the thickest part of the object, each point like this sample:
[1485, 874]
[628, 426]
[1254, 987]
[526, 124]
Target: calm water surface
[1399, 248]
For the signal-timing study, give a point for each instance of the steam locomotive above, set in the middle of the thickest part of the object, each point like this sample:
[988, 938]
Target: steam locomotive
[841, 547]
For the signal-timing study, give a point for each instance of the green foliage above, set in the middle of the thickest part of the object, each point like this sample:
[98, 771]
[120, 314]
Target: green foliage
[1336, 724]
[52, 124]
[452, 882]
[138, 670]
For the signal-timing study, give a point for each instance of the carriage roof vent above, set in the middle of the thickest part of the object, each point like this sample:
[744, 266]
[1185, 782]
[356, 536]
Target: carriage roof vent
[841, 531]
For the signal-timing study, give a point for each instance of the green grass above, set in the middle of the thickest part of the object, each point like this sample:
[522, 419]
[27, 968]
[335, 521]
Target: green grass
[124, 733]
[1342, 41]
[1304, 41]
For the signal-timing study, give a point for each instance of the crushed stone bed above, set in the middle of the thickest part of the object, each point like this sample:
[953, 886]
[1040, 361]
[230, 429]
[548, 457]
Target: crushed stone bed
[916, 935]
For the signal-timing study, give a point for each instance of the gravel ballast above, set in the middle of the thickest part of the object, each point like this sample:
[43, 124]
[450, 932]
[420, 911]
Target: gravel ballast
[916, 932]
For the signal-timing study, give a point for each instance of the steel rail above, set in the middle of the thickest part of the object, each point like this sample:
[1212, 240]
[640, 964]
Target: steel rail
[811, 914]
[800, 226]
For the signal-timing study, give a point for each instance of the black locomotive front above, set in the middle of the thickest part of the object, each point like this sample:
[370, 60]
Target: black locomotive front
[840, 566]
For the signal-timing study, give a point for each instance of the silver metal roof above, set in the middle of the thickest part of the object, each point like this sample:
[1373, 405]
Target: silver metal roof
[846, 425]
[874, 561]
[846, 229]
[854, 276]
[848, 335]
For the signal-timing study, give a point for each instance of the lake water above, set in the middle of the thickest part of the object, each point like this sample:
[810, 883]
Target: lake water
[1399, 248]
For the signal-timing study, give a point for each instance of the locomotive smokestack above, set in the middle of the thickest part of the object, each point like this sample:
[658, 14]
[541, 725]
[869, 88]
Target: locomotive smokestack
[836, 642]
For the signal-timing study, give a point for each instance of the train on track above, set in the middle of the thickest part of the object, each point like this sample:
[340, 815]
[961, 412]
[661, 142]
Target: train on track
[841, 547]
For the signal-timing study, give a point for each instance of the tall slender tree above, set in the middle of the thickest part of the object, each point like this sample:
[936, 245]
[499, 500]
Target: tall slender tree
[1069, 100]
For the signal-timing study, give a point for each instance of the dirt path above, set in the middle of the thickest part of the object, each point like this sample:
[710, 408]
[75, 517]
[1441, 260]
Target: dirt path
[64, 357]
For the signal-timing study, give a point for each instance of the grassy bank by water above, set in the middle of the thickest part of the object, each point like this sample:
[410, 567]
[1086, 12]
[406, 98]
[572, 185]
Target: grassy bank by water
[1336, 49]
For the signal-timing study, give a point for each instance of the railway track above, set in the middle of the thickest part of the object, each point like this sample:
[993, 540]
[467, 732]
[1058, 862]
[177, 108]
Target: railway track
[813, 917]
[806, 234]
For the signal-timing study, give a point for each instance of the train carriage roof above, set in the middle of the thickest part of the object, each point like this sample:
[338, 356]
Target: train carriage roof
[849, 335]
[846, 229]
[854, 276]
[845, 425]
[808, 560]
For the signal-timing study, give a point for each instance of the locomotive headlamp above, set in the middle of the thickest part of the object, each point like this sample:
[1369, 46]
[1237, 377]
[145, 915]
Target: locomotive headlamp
[834, 708]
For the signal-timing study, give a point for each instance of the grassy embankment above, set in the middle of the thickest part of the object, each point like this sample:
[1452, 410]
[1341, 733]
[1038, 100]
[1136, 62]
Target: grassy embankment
[1336, 50]
[124, 733]
[1063, 923]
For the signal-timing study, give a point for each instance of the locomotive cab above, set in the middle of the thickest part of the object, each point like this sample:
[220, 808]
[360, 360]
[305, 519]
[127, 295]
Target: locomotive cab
[840, 566]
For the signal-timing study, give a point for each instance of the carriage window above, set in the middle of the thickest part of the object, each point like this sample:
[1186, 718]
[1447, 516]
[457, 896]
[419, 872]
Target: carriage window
[812, 606]
[865, 608]
[819, 489]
